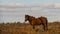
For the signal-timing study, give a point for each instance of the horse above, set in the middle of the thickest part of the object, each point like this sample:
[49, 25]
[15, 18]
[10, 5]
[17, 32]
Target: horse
[37, 21]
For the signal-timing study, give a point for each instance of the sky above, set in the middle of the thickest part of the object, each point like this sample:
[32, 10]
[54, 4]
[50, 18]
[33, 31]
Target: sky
[29, 1]
[15, 10]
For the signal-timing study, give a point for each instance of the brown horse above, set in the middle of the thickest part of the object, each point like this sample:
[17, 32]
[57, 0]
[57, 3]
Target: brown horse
[37, 21]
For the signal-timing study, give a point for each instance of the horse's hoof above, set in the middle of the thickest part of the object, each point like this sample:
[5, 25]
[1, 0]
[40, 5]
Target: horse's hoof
[37, 30]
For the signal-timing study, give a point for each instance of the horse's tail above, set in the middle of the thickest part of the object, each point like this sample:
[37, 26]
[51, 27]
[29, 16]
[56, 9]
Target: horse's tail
[46, 23]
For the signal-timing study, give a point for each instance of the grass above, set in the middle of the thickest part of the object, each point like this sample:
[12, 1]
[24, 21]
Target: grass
[22, 28]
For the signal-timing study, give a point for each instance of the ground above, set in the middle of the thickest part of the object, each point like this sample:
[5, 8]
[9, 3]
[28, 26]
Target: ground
[22, 28]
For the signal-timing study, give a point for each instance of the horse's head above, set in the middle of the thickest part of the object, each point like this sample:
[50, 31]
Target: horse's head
[26, 17]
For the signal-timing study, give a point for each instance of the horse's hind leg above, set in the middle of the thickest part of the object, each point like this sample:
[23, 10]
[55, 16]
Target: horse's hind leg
[45, 27]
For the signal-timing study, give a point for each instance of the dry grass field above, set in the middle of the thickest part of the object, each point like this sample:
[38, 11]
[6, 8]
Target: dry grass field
[22, 28]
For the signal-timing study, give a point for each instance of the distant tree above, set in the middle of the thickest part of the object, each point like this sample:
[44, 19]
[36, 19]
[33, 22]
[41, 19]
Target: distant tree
[8, 23]
[18, 22]
[3, 23]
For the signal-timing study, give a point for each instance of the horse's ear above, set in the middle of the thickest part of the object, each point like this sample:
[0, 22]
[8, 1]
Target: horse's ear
[25, 14]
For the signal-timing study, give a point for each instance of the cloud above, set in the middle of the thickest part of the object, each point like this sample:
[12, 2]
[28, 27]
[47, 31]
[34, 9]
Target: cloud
[23, 5]
[57, 5]
[26, 5]
[12, 5]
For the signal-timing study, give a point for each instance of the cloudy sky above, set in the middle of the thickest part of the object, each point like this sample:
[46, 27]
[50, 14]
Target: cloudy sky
[29, 1]
[14, 10]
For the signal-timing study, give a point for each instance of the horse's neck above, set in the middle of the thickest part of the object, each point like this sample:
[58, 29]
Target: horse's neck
[30, 19]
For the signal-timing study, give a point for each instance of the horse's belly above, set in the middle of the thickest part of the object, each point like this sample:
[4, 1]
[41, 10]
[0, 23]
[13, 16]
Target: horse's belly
[37, 23]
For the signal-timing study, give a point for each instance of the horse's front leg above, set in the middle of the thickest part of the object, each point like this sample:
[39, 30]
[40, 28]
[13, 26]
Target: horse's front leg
[33, 26]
